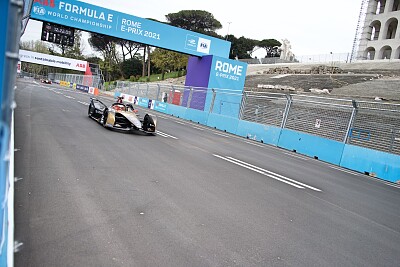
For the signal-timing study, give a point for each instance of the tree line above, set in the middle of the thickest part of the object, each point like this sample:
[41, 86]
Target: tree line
[123, 59]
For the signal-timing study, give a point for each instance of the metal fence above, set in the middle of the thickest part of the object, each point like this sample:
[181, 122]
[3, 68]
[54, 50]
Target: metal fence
[366, 124]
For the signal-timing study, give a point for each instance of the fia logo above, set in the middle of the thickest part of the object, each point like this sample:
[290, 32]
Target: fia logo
[38, 10]
[45, 2]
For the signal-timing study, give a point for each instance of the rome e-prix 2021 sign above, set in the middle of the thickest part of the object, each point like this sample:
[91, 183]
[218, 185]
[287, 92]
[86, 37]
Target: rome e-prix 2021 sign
[97, 19]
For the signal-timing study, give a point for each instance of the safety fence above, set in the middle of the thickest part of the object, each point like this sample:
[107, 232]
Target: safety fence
[366, 124]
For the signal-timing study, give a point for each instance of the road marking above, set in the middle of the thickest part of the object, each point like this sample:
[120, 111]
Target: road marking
[343, 170]
[253, 144]
[259, 171]
[166, 135]
[70, 97]
[278, 175]
[180, 122]
[268, 173]
[224, 135]
[295, 156]
[198, 128]
[83, 103]
[165, 118]
[367, 176]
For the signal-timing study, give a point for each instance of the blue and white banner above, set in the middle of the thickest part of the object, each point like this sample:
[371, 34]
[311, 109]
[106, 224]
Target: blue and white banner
[50, 60]
[227, 74]
[87, 17]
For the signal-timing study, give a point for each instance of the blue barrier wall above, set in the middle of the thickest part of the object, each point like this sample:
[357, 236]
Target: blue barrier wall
[177, 111]
[326, 150]
[223, 123]
[259, 132]
[197, 116]
[372, 162]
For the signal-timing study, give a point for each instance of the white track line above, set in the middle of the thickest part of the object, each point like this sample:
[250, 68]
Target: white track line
[224, 135]
[198, 128]
[295, 156]
[253, 144]
[259, 171]
[367, 176]
[166, 135]
[277, 175]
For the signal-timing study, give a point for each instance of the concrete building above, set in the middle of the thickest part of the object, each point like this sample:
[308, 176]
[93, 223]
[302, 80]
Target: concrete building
[380, 38]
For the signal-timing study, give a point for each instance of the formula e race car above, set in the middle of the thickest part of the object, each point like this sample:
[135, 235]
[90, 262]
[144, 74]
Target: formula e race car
[46, 81]
[122, 117]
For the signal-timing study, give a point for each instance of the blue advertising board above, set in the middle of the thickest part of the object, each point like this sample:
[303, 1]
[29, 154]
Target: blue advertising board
[227, 74]
[87, 17]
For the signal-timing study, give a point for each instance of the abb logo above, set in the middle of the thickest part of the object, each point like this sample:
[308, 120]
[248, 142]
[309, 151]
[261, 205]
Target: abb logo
[46, 2]
[80, 65]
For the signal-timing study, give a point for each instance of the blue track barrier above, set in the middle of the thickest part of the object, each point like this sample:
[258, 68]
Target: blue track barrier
[223, 123]
[372, 162]
[313, 146]
[197, 116]
[259, 132]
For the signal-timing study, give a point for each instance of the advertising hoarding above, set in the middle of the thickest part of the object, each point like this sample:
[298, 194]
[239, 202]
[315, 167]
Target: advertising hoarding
[54, 61]
[91, 18]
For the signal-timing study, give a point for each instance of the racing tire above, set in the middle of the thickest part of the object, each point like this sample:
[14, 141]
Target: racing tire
[149, 123]
[103, 119]
[89, 111]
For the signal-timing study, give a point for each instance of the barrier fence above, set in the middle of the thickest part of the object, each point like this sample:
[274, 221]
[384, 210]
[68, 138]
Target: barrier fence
[365, 124]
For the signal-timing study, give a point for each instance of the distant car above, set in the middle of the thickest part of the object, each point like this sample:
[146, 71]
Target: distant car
[122, 117]
[47, 81]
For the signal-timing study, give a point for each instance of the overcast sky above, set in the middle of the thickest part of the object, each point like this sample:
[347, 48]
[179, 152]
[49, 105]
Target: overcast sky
[312, 26]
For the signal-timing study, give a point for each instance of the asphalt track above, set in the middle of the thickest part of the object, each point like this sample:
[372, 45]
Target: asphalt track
[189, 196]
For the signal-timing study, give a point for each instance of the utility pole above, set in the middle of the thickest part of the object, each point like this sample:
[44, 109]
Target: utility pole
[226, 37]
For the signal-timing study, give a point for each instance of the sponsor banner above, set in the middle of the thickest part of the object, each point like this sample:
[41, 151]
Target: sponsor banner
[19, 67]
[83, 88]
[160, 106]
[91, 90]
[65, 84]
[54, 61]
[227, 74]
[91, 18]
[130, 98]
[143, 102]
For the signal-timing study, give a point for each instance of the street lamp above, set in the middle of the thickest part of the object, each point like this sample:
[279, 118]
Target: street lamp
[226, 37]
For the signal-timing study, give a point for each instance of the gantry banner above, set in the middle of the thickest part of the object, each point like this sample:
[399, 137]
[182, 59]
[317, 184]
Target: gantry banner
[54, 61]
[91, 18]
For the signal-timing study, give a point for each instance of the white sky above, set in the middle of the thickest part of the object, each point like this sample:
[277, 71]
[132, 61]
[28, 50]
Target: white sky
[312, 26]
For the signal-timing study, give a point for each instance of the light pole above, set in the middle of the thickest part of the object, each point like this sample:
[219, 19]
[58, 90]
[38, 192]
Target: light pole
[226, 37]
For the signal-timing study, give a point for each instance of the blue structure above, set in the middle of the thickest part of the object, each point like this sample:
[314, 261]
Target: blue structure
[93, 18]
[10, 29]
